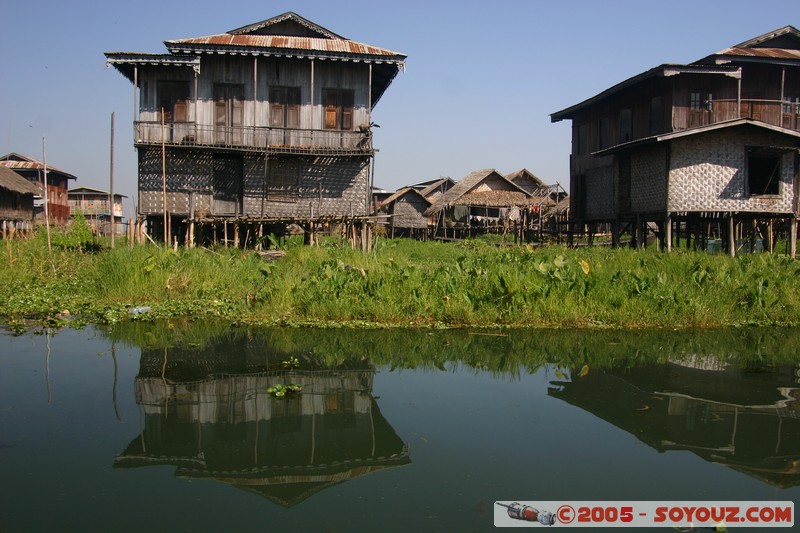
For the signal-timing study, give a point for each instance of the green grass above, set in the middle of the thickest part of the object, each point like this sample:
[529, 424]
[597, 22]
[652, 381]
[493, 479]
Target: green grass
[402, 283]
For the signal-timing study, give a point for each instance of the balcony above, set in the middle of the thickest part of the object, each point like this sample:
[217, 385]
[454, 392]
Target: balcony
[254, 139]
[784, 114]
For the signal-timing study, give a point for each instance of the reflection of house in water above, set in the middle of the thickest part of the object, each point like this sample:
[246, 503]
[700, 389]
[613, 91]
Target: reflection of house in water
[228, 428]
[745, 419]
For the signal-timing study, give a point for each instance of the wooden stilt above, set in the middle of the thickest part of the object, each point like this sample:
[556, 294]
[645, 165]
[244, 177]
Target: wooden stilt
[731, 235]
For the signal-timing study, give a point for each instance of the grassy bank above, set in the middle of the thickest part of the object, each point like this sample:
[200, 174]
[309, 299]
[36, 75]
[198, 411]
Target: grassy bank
[401, 283]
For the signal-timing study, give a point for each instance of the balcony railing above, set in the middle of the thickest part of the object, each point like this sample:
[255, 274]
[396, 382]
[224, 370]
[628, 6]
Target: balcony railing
[785, 114]
[252, 138]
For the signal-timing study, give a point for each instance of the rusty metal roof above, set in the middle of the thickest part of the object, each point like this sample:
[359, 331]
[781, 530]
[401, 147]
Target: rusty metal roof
[32, 164]
[770, 53]
[280, 44]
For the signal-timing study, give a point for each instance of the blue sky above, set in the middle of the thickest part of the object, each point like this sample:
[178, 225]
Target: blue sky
[480, 83]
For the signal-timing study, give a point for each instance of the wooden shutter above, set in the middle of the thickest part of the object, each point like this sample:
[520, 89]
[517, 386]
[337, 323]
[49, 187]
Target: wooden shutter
[276, 107]
[293, 107]
[347, 110]
[236, 95]
[220, 108]
[331, 104]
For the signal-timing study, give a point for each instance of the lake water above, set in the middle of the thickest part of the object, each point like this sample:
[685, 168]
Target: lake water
[170, 427]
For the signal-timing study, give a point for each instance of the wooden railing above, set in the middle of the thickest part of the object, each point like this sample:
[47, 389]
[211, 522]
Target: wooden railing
[253, 138]
[785, 114]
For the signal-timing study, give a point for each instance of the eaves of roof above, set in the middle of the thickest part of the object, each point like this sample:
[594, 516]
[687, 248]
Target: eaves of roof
[696, 131]
[34, 165]
[280, 45]
[665, 70]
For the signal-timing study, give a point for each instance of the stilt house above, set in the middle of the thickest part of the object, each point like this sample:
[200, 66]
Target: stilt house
[94, 205]
[57, 186]
[406, 209]
[16, 201]
[482, 200]
[270, 122]
[705, 148]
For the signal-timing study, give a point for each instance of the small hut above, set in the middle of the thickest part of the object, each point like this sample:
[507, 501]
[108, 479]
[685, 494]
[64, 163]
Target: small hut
[16, 202]
[483, 201]
[407, 209]
[434, 189]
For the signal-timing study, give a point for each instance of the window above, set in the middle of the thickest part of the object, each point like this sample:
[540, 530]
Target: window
[284, 180]
[173, 98]
[338, 106]
[763, 171]
[625, 127]
[700, 108]
[791, 112]
[284, 107]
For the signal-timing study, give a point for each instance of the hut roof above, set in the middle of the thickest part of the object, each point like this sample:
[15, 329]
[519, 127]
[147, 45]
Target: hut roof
[467, 192]
[441, 186]
[402, 192]
[13, 182]
[77, 191]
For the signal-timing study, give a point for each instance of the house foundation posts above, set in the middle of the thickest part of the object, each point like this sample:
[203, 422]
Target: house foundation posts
[731, 235]
[792, 247]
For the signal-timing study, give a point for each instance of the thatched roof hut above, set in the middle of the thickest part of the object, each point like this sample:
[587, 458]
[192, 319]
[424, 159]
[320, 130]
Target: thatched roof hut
[407, 207]
[482, 188]
[16, 196]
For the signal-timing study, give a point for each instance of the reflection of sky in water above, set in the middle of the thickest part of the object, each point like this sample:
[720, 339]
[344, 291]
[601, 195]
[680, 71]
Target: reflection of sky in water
[473, 436]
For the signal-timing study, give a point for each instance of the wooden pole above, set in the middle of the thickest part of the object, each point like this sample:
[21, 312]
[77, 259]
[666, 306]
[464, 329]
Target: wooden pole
[164, 176]
[111, 183]
[46, 197]
[668, 233]
[731, 235]
[792, 237]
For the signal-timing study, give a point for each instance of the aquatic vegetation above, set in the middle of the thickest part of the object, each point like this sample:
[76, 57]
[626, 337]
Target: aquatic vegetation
[402, 283]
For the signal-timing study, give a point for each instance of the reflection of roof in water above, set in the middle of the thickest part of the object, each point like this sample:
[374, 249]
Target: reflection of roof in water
[749, 421]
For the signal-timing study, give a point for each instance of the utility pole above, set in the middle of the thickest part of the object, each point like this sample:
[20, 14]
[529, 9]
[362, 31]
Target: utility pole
[46, 197]
[112, 220]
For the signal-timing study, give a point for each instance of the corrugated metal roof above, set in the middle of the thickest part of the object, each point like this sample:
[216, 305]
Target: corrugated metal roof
[771, 53]
[34, 165]
[283, 44]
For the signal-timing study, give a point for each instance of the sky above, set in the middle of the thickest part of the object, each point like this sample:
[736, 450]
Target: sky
[481, 78]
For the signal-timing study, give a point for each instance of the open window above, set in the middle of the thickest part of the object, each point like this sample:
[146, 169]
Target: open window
[173, 98]
[763, 171]
[338, 105]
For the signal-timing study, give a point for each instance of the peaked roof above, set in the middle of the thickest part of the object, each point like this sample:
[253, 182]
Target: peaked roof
[514, 195]
[785, 37]
[288, 35]
[781, 46]
[283, 24]
[13, 182]
[402, 192]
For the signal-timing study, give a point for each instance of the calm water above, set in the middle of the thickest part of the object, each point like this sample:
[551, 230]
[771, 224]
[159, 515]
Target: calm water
[169, 427]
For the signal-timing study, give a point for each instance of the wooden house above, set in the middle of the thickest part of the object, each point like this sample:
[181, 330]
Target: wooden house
[95, 206]
[16, 202]
[482, 200]
[406, 209]
[267, 123]
[57, 186]
[705, 149]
